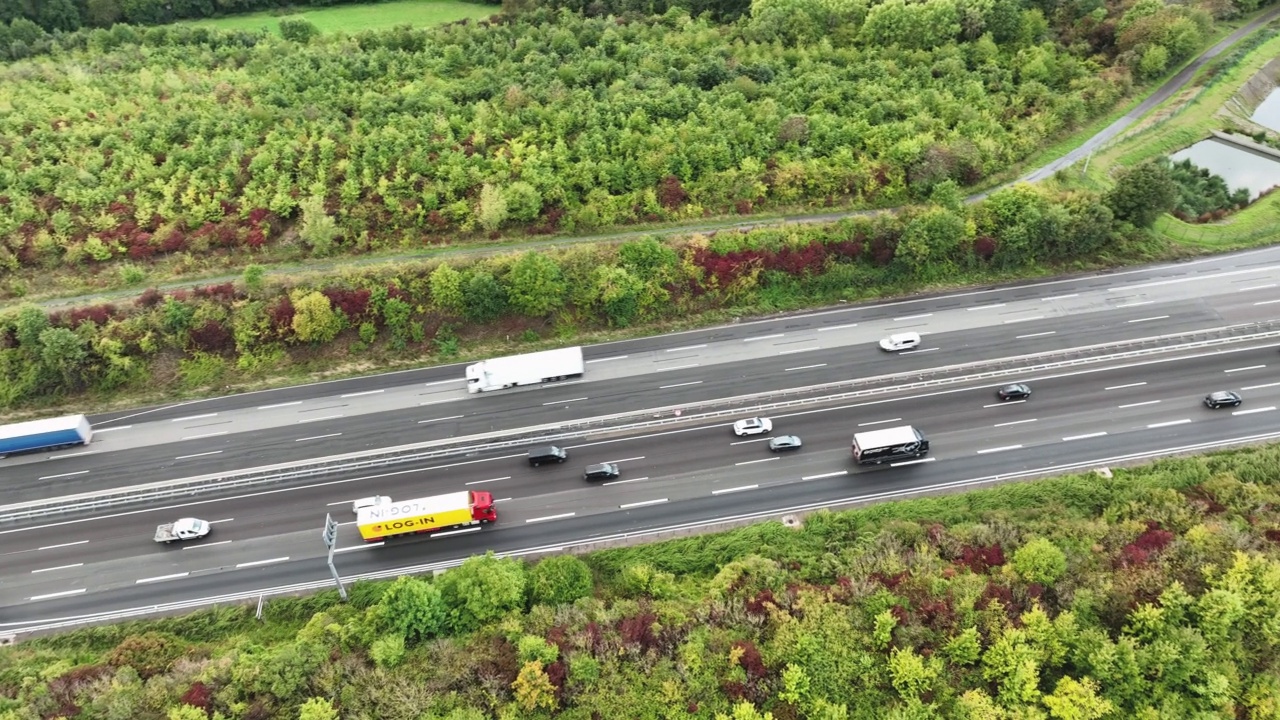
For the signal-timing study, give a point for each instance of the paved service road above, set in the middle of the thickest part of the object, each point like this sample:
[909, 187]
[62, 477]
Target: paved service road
[688, 474]
[835, 344]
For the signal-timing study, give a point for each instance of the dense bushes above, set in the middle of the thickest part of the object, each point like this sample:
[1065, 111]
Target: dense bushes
[1149, 594]
[544, 121]
[212, 335]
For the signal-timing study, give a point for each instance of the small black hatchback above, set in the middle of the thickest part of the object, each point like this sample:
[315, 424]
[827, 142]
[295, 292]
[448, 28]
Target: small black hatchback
[1016, 391]
[1224, 398]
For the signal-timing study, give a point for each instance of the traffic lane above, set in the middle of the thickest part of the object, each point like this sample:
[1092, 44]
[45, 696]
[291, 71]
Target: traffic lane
[1143, 381]
[1062, 408]
[869, 484]
[218, 451]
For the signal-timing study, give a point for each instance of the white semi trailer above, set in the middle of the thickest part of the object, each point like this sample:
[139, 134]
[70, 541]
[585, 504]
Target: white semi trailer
[527, 369]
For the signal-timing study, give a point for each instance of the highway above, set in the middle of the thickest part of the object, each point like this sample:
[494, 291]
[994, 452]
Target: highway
[834, 344]
[699, 473]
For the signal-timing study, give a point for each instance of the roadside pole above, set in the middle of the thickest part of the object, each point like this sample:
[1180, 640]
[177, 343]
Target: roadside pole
[330, 535]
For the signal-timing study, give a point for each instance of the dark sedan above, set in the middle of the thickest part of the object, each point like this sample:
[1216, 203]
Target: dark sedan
[1016, 391]
[1224, 398]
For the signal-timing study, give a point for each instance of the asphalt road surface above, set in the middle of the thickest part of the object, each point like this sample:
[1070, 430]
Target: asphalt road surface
[265, 539]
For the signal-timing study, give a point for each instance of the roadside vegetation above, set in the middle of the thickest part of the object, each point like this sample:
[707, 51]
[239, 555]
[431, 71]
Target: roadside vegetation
[1150, 594]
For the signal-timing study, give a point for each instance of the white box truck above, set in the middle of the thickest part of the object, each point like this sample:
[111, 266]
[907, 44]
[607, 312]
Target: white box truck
[527, 369]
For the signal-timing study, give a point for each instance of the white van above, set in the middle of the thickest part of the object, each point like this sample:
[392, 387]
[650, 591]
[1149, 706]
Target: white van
[900, 341]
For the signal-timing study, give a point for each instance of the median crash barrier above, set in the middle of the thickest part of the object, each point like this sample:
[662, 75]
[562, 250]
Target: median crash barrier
[652, 417]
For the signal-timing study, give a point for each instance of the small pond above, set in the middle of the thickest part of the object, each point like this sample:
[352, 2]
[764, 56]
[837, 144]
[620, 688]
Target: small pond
[1268, 113]
[1239, 167]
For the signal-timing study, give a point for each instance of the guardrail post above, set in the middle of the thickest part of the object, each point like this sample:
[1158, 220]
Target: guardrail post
[261, 600]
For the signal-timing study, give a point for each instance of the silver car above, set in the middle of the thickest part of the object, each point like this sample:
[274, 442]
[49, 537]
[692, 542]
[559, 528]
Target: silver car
[785, 442]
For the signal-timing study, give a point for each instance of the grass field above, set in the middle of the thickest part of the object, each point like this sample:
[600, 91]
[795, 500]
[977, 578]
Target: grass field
[354, 18]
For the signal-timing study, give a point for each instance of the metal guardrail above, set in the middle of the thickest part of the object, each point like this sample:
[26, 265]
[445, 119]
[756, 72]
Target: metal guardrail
[756, 402]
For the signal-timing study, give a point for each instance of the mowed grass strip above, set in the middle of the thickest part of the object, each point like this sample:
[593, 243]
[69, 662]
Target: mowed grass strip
[354, 18]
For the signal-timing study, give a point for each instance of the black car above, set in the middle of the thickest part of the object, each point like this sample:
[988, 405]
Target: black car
[602, 471]
[1224, 398]
[1016, 391]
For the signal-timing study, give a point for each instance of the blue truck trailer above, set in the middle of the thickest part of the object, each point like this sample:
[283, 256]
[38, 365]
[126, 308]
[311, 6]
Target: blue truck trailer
[47, 434]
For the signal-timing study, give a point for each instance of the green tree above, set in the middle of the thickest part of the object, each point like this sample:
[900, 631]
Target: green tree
[102, 13]
[524, 202]
[446, 288]
[314, 319]
[483, 589]
[317, 709]
[1075, 699]
[298, 30]
[492, 211]
[648, 259]
[559, 580]
[745, 711]
[412, 608]
[484, 299]
[536, 647]
[536, 285]
[253, 277]
[65, 355]
[1142, 193]
[317, 228]
[31, 321]
[186, 712]
[930, 243]
[912, 675]
[620, 294]
[1039, 561]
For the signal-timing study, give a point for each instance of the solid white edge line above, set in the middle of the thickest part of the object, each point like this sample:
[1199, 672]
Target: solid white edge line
[642, 503]
[1254, 410]
[1000, 449]
[279, 405]
[734, 489]
[174, 576]
[561, 516]
[826, 475]
[254, 563]
[60, 567]
[1183, 421]
[1082, 437]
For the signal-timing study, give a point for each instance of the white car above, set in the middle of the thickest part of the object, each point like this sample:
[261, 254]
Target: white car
[900, 341]
[753, 426]
[369, 502]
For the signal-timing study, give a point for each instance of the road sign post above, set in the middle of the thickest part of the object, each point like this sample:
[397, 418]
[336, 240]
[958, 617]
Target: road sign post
[330, 536]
